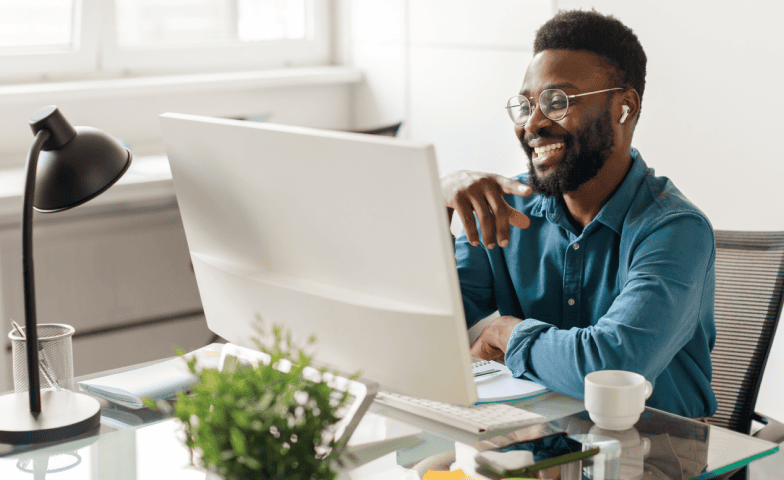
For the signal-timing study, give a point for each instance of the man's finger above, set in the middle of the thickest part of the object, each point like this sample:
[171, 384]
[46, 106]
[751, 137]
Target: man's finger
[501, 210]
[481, 350]
[466, 213]
[486, 221]
[513, 187]
[518, 218]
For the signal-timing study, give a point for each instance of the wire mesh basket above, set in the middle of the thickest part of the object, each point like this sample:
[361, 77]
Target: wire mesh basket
[55, 354]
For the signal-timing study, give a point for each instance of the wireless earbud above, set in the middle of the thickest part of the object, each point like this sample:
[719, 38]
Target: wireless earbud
[625, 109]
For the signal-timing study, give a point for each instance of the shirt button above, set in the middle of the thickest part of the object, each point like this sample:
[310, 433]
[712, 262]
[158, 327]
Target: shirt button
[571, 301]
[576, 246]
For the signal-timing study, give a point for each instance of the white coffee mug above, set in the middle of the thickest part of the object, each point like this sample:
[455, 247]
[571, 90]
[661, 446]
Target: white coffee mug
[616, 398]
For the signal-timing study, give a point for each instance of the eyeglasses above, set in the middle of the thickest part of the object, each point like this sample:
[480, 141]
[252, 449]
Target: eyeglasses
[553, 102]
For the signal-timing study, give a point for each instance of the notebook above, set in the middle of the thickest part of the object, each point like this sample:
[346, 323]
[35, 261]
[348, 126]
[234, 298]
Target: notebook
[497, 384]
[158, 381]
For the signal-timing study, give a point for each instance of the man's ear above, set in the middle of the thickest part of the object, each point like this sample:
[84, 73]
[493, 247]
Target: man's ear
[625, 113]
[630, 106]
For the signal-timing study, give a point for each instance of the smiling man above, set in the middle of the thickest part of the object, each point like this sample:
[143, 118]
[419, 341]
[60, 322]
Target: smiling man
[606, 266]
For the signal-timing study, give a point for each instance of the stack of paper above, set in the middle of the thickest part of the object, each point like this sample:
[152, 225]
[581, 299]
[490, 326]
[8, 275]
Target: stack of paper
[158, 381]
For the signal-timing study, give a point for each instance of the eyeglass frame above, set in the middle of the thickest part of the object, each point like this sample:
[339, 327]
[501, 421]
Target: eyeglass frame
[536, 105]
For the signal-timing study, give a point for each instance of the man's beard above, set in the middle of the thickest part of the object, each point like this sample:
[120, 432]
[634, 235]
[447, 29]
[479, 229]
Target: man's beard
[584, 155]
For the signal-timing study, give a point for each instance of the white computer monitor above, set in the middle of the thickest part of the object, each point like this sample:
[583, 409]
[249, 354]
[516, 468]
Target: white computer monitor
[335, 234]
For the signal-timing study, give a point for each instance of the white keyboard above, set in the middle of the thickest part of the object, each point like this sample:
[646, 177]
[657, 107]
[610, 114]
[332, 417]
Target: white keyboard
[473, 419]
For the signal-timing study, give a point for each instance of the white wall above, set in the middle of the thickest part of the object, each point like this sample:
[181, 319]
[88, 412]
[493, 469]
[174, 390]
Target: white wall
[446, 68]
[711, 110]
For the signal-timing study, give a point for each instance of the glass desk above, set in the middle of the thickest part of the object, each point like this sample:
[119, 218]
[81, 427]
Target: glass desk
[661, 446]
[143, 444]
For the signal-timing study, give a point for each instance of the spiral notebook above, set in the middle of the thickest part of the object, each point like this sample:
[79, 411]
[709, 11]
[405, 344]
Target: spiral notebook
[495, 383]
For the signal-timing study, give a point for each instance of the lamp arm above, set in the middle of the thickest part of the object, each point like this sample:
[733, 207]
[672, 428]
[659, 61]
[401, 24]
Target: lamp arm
[31, 324]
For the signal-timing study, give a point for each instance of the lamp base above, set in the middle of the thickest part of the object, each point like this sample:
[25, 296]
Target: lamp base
[64, 414]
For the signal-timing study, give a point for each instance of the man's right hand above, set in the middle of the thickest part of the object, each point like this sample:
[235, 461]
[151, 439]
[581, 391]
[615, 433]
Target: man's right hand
[482, 193]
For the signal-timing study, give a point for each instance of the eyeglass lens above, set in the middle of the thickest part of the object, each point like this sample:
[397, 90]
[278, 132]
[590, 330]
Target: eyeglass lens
[553, 103]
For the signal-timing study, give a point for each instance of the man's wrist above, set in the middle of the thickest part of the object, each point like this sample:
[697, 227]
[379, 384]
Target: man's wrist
[503, 331]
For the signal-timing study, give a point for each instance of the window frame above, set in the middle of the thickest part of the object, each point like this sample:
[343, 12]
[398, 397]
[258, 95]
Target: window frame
[49, 62]
[97, 54]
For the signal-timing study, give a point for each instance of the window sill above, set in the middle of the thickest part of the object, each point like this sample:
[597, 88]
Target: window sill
[164, 85]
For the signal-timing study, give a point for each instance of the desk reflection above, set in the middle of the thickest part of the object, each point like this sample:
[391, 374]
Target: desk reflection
[659, 447]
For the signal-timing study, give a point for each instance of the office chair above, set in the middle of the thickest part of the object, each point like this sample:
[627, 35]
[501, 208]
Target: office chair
[749, 296]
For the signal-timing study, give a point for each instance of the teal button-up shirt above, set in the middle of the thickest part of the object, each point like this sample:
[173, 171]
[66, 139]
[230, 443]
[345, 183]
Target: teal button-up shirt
[633, 291]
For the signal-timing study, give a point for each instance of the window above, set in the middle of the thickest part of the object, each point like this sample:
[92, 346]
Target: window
[70, 38]
[148, 23]
[36, 23]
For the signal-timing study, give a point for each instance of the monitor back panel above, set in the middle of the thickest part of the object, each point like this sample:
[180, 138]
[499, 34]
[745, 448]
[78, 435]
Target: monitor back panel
[339, 235]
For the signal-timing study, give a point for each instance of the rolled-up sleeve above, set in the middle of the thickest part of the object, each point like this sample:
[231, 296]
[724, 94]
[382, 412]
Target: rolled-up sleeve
[659, 310]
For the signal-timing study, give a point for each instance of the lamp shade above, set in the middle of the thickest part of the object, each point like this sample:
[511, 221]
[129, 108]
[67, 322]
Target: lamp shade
[75, 164]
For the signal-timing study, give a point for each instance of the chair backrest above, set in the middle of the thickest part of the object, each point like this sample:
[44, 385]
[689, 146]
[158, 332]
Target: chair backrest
[749, 290]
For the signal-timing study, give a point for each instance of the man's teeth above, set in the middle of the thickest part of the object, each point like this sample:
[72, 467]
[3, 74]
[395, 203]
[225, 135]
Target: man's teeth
[547, 148]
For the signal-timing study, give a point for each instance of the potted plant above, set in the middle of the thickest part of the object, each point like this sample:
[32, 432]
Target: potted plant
[247, 422]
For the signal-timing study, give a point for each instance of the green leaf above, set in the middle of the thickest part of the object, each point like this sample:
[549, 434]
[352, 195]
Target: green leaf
[192, 365]
[210, 378]
[238, 441]
[240, 418]
[252, 463]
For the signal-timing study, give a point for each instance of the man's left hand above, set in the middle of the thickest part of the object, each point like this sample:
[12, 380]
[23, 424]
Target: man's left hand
[491, 343]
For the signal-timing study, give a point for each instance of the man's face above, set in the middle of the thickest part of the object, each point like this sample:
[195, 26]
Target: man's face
[564, 154]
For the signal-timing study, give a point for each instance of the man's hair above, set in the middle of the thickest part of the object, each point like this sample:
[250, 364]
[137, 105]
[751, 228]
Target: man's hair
[604, 35]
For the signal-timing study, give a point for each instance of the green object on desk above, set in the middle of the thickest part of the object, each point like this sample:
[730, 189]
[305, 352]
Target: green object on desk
[264, 422]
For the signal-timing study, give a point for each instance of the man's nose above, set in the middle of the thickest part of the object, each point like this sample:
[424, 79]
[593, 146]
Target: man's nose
[536, 121]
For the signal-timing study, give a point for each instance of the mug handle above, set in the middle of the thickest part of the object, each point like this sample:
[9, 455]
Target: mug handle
[648, 389]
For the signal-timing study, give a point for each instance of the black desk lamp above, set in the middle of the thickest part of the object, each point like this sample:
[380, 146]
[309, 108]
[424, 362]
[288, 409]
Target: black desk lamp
[75, 165]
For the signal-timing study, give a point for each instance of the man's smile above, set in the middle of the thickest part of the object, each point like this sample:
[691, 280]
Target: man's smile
[545, 154]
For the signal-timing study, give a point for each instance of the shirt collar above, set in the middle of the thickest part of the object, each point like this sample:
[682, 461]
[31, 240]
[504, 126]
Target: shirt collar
[613, 212]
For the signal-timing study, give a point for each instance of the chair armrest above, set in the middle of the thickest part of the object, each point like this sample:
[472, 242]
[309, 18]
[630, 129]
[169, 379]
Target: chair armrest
[773, 431]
